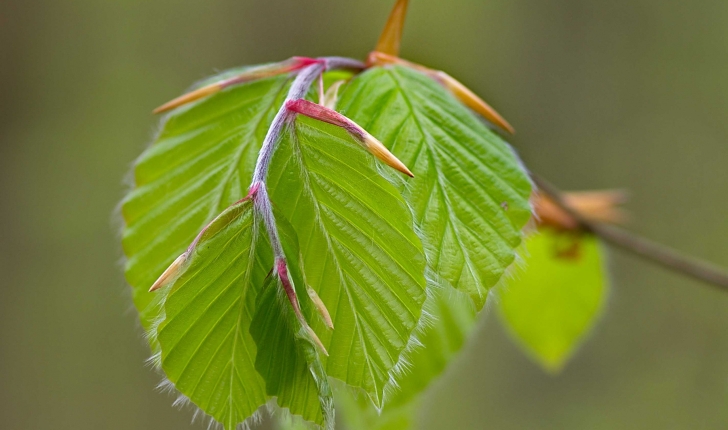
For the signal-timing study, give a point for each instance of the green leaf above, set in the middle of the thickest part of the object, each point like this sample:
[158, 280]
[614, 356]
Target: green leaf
[470, 193]
[207, 351]
[553, 302]
[439, 338]
[228, 341]
[199, 164]
[286, 355]
[549, 305]
[360, 252]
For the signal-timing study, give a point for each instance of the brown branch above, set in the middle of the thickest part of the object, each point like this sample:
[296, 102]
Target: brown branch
[639, 246]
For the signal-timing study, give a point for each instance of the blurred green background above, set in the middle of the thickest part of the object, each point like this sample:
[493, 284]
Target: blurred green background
[624, 93]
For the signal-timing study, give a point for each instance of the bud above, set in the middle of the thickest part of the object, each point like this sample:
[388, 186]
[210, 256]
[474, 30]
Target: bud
[331, 97]
[282, 271]
[320, 307]
[330, 116]
[377, 58]
[471, 100]
[598, 206]
[391, 36]
[456, 88]
[290, 65]
[316, 340]
[171, 274]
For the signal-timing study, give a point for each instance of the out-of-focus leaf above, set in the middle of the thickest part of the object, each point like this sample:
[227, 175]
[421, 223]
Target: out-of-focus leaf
[356, 412]
[438, 339]
[469, 195]
[360, 252]
[554, 300]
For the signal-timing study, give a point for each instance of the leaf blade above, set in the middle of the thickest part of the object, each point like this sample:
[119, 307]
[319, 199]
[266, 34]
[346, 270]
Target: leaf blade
[229, 339]
[199, 164]
[554, 300]
[470, 193]
[360, 252]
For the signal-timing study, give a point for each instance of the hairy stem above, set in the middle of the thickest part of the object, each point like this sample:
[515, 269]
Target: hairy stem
[298, 90]
[637, 245]
[258, 190]
[300, 86]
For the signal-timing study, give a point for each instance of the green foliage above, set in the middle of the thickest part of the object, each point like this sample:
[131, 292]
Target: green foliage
[361, 254]
[402, 266]
[469, 195]
[549, 304]
[200, 163]
[226, 340]
[555, 299]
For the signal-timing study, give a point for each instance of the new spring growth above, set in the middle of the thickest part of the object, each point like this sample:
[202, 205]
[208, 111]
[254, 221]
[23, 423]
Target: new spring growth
[391, 37]
[282, 272]
[171, 274]
[287, 66]
[598, 206]
[460, 91]
[320, 307]
[175, 269]
[322, 113]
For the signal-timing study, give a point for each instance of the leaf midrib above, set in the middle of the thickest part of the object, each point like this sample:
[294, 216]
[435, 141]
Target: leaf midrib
[307, 186]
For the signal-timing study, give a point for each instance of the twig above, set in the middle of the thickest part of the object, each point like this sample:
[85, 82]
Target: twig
[639, 246]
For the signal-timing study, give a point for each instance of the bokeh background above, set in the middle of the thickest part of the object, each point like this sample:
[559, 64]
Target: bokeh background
[623, 93]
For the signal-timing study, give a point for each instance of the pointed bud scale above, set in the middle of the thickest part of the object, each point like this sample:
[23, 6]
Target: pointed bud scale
[330, 116]
[316, 340]
[471, 100]
[320, 307]
[391, 37]
[282, 271]
[171, 274]
[290, 65]
[599, 206]
[381, 152]
[377, 58]
[331, 97]
[456, 88]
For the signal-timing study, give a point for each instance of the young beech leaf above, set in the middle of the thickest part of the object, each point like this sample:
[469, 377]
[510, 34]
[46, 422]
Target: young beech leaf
[469, 193]
[359, 249]
[437, 340]
[200, 163]
[286, 355]
[555, 299]
[228, 341]
[549, 306]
